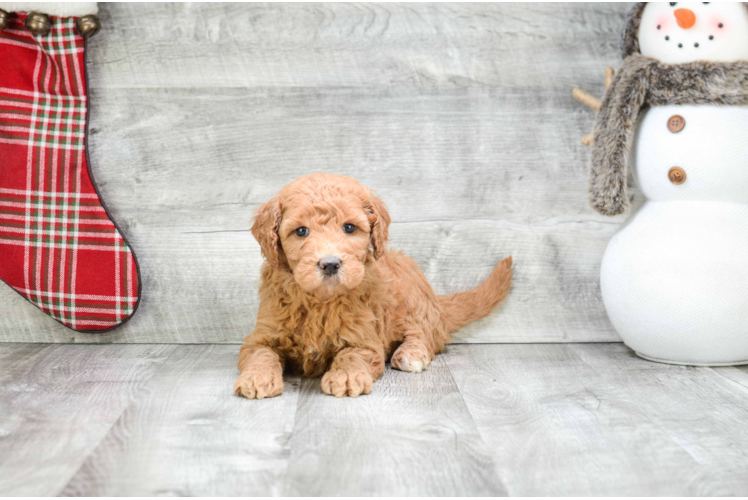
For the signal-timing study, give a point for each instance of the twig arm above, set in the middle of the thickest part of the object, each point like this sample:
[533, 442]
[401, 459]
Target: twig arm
[586, 98]
[592, 101]
[609, 74]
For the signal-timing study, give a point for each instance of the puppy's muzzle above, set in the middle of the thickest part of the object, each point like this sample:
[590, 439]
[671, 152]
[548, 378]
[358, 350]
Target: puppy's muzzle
[330, 265]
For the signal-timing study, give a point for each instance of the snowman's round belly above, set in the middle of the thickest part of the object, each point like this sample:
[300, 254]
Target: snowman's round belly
[674, 282]
[709, 143]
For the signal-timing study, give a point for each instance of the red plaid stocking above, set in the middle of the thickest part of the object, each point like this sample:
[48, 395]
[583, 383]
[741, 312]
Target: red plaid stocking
[58, 246]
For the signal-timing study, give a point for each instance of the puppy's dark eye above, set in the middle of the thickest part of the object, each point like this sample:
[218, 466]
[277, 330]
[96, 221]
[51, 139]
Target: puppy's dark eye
[302, 231]
[349, 228]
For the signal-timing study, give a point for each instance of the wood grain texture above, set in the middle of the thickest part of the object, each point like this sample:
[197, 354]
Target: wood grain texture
[701, 410]
[355, 45]
[594, 419]
[188, 435]
[459, 115]
[57, 403]
[571, 419]
[413, 435]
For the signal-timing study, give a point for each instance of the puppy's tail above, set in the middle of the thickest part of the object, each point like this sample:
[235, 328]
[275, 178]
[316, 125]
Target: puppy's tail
[465, 307]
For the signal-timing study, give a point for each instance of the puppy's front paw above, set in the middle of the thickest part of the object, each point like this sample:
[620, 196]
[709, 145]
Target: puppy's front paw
[259, 384]
[411, 358]
[341, 383]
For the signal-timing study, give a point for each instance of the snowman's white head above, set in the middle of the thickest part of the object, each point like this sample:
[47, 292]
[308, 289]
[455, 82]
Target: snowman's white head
[681, 32]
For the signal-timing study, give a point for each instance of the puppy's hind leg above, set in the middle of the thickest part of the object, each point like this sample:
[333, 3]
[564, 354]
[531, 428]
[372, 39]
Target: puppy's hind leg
[416, 352]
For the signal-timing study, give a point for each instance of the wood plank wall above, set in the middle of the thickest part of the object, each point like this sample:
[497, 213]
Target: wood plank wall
[459, 115]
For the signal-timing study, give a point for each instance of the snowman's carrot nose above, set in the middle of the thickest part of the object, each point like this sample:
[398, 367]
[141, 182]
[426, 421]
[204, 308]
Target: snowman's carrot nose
[685, 17]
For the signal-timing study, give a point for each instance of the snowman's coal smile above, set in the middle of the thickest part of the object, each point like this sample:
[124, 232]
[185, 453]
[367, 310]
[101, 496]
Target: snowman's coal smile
[696, 45]
[686, 19]
[681, 32]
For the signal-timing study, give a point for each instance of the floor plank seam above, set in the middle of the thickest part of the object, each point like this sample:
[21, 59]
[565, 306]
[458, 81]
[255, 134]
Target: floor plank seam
[477, 428]
[134, 399]
[732, 380]
[665, 431]
[287, 441]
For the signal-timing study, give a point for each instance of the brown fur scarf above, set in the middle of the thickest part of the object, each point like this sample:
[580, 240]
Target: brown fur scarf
[644, 81]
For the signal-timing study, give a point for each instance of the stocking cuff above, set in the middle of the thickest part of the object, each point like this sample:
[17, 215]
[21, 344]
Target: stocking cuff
[71, 9]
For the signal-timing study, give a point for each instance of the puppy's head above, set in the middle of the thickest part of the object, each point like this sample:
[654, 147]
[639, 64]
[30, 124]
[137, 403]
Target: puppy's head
[323, 228]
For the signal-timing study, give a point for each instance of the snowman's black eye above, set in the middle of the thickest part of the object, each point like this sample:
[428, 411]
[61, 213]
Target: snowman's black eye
[672, 4]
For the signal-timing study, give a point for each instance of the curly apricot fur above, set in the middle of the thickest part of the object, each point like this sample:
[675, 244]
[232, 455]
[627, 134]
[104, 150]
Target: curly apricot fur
[344, 327]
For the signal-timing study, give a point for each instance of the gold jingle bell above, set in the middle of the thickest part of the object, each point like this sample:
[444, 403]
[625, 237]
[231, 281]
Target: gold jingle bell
[4, 19]
[38, 24]
[88, 26]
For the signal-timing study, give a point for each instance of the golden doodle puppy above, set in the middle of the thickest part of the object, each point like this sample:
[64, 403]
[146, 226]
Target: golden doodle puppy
[335, 302]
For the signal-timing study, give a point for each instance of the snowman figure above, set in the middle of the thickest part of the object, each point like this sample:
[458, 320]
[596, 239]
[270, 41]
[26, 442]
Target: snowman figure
[674, 279]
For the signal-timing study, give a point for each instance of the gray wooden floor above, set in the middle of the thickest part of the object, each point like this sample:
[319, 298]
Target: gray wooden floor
[517, 419]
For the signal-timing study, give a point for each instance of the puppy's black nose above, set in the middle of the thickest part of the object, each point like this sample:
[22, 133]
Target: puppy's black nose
[329, 265]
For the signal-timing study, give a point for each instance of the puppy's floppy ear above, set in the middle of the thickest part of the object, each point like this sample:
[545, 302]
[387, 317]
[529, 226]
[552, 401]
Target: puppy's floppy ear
[266, 224]
[379, 220]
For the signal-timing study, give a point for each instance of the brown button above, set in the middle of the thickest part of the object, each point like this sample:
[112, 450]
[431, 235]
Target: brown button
[676, 123]
[676, 175]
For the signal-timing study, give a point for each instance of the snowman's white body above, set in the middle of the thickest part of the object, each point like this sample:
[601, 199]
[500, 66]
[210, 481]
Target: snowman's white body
[674, 279]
